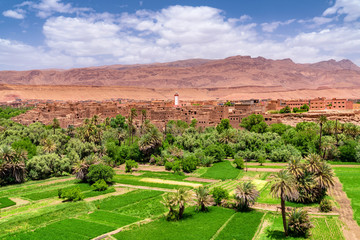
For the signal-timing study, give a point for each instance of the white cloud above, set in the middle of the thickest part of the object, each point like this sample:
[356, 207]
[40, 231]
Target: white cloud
[271, 27]
[173, 33]
[17, 14]
[17, 55]
[349, 8]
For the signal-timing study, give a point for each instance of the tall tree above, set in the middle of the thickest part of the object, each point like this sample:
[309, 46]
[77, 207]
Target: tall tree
[284, 187]
[321, 120]
[132, 116]
[245, 194]
[55, 124]
[203, 198]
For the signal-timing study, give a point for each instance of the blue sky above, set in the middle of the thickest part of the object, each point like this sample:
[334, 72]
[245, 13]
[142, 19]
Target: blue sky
[39, 34]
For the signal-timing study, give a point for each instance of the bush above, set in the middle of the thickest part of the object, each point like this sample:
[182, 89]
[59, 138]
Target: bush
[72, 194]
[206, 161]
[325, 205]
[299, 223]
[129, 165]
[169, 166]
[215, 151]
[189, 163]
[261, 160]
[100, 185]
[44, 166]
[176, 167]
[239, 162]
[219, 194]
[100, 171]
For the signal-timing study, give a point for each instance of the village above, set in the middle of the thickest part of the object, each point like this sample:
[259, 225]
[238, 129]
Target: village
[207, 113]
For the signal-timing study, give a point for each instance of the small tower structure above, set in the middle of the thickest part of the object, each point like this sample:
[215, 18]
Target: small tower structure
[176, 100]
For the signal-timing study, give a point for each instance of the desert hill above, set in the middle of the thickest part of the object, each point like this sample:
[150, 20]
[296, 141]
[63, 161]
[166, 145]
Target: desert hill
[232, 72]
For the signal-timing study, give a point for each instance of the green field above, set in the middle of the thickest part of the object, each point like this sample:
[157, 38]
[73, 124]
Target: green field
[350, 178]
[222, 170]
[325, 228]
[6, 202]
[47, 217]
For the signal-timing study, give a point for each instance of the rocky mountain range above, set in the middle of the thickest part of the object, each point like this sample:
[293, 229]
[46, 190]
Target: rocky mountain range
[232, 72]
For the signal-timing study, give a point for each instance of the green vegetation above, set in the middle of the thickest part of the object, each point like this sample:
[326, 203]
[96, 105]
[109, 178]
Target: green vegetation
[196, 225]
[350, 178]
[6, 202]
[242, 226]
[9, 112]
[222, 170]
[324, 228]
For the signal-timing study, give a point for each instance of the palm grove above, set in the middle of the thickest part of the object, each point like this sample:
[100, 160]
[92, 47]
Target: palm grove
[41, 151]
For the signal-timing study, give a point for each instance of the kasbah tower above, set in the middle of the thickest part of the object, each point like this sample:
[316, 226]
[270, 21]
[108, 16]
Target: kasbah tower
[176, 99]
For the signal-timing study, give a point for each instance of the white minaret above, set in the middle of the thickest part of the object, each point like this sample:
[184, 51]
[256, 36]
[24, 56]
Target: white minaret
[176, 99]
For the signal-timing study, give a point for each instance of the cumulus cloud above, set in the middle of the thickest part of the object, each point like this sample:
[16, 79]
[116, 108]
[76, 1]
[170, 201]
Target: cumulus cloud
[17, 14]
[349, 8]
[271, 27]
[173, 33]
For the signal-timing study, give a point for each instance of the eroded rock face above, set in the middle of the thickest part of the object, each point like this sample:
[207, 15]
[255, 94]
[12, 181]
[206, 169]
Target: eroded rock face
[238, 71]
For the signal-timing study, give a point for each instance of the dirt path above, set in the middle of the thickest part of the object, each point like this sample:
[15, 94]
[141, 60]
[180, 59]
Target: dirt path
[56, 181]
[264, 169]
[147, 188]
[119, 191]
[351, 229]
[196, 179]
[276, 208]
[266, 164]
[346, 166]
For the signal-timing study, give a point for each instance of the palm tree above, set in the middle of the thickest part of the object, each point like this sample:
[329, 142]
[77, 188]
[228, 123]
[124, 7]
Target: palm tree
[56, 124]
[151, 140]
[203, 198]
[81, 168]
[143, 118]
[182, 195]
[325, 176]
[284, 187]
[312, 162]
[132, 115]
[321, 120]
[246, 194]
[48, 145]
[295, 167]
[228, 136]
[169, 201]
[12, 164]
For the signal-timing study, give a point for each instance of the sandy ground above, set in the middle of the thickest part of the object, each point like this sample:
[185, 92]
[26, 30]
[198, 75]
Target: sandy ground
[351, 229]
[56, 181]
[276, 208]
[75, 93]
[119, 191]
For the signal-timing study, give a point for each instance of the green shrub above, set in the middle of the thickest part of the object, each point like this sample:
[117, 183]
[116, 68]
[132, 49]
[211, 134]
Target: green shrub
[100, 171]
[299, 223]
[45, 166]
[325, 205]
[215, 151]
[261, 160]
[100, 185]
[169, 166]
[219, 194]
[71, 194]
[129, 165]
[239, 162]
[176, 167]
[189, 163]
[206, 161]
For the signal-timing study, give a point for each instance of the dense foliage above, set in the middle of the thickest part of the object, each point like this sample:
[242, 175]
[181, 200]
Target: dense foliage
[38, 151]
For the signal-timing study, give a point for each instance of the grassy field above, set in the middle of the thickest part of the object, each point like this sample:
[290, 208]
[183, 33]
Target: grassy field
[196, 225]
[325, 228]
[6, 202]
[242, 226]
[45, 216]
[265, 197]
[350, 178]
[222, 170]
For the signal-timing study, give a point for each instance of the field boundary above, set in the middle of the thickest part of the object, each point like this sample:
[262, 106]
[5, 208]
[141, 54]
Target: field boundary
[222, 227]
